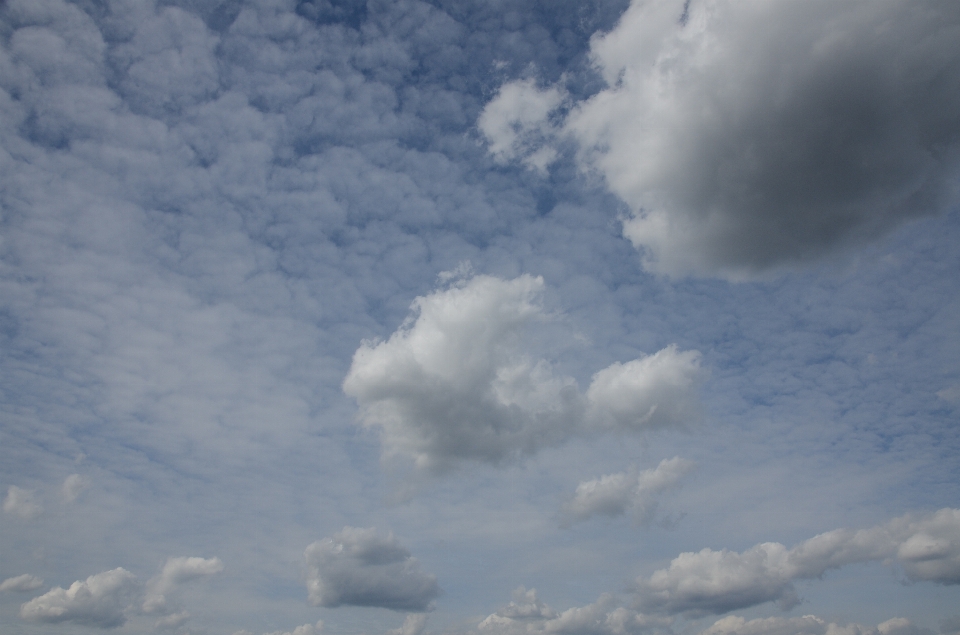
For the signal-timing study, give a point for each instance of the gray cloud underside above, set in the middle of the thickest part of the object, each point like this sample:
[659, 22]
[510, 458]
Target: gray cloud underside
[359, 567]
[753, 135]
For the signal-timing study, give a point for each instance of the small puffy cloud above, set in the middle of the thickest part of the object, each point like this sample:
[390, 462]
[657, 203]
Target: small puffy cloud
[928, 549]
[516, 123]
[413, 624]
[72, 486]
[806, 625]
[21, 583]
[175, 572]
[528, 615]
[102, 600]
[615, 494]
[752, 135]
[459, 381]
[20, 502]
[360, 567]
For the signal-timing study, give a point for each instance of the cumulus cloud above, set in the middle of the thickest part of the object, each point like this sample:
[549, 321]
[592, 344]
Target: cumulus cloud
[615, 494]
[516, 123]
[927, 548]
[73, 485]
[175, 572]
[21, 583]
[806, 625]
[413, 624]
[102, 600]
[360, 567]
[458, 381]
[750, 135]
[305, 629]
[528, 615]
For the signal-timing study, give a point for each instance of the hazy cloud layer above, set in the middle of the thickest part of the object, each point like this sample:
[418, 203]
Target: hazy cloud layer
[21, 502]
[633, 491]
[528, 615]
[751, 135]
[709, 581]
[359, 567]
[459, 380]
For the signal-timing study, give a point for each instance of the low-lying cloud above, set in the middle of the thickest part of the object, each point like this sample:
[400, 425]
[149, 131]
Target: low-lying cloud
[708, 581]
[459, 381]
[360, 567]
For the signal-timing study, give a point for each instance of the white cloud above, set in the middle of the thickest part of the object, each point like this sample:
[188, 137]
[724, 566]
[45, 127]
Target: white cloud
[21, 583]
[806, 625]
[615, 494]
[102, 600]
[413, 624]
[175, 572]
[517, 126]
[73, 485]
[458, 380]
[528, 615]
[305, 629]
[359, 567]
[711, 581]
[174, 620]
[759, 134]
[20, 502]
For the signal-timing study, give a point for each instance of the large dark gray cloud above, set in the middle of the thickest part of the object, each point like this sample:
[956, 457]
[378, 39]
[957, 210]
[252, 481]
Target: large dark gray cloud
[360, 567]
[751, 135]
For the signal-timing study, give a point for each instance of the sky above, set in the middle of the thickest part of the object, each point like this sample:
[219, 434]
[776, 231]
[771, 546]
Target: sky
[480, 317]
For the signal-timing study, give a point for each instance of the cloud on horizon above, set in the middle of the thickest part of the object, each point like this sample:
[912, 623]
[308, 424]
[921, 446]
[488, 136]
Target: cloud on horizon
[708, 581]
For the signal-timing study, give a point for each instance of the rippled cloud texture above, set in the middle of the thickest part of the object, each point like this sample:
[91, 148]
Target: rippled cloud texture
[383, 310]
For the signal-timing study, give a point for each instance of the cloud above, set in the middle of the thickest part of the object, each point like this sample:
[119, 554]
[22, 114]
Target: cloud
[807, 625]
[305, 629]
[615, 494]
[73, 485]
[359, 567]
[516, 123]
[459, 381]
[175, 572]
[754, 135]
[413, 624]
[102, 601]
[21, 583]
[928, 549]
[174, 620]
[528, 615]
[20, 502]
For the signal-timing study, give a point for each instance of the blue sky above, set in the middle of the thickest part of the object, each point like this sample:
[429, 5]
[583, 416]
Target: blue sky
[595, 318]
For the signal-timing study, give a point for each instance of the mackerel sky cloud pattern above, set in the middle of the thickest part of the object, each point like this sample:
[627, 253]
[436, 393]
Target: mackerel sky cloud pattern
[357, 316]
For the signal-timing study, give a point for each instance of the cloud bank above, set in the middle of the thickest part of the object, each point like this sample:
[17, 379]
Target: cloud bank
[106, 600]
[359, 567]
[927, 549]
[460, 381]
[615, 494]
[528, 615]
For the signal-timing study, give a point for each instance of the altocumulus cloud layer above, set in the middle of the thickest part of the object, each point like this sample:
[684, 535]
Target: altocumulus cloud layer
[237, 317]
